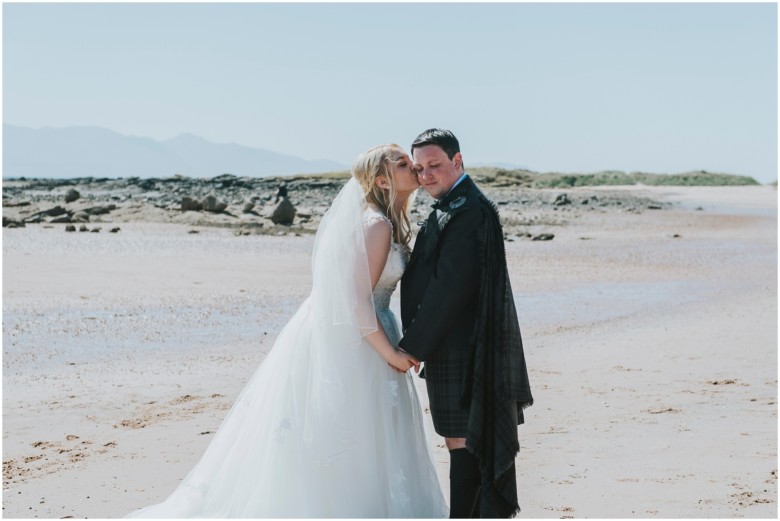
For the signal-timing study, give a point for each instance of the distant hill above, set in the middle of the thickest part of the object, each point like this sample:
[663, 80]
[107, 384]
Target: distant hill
[98, 152]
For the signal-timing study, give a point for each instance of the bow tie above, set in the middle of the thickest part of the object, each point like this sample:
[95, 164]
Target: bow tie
[445, 205]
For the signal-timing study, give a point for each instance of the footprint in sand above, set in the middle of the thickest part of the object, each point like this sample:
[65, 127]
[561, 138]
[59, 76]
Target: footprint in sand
[52, 457]
[662, 410]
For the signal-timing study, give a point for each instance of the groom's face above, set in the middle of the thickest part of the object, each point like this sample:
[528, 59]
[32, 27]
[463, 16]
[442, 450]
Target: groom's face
[437, 172]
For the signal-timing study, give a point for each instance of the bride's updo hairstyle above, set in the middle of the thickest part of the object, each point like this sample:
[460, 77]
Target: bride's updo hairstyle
[371, 165]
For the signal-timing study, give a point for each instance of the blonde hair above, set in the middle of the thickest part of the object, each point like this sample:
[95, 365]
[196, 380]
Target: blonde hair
[377, 162]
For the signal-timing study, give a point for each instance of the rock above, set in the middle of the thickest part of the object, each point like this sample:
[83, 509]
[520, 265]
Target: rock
[115, 230]
[61, 219]
[70, 228]
[147, 184]
[193, 231]
[83, 228]
[543, 237]
[95, 230]
[99, 210]
[248, 207]
[284, 213]
[71, 195]
[562, 200]
[653, 207]
[210, 204]
[188, 204]
[12, 223]
[51, 212]
[80, 217]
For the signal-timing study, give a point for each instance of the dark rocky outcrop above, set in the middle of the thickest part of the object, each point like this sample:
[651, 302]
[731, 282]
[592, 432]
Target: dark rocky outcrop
[210, 204]
[72, 195]
[189, 204]
[284, 213]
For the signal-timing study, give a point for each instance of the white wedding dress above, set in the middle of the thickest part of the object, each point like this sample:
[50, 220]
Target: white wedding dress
[324, 428]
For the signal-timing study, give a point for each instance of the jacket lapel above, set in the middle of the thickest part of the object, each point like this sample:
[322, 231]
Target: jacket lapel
[444, 209]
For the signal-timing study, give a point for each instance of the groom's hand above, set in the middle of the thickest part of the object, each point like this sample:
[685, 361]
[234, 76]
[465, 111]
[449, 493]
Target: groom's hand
[412, 359]
[401, 361]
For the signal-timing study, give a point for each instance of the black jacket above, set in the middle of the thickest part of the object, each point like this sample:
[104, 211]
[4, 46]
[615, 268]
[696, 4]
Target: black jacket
[439, 286]
[458, 314]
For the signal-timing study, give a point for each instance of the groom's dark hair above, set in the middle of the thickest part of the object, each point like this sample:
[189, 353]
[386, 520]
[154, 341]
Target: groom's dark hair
[443, 139]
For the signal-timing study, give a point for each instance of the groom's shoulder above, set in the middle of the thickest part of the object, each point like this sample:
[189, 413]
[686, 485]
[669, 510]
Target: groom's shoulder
[477, 200]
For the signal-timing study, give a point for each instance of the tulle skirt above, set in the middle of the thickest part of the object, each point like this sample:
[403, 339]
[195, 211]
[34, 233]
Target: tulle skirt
[322, 429]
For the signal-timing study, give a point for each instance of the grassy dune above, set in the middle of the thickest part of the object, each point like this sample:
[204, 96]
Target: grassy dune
[531, 179]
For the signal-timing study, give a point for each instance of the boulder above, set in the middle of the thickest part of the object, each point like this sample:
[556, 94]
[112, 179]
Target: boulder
[189, 204]
[248, 207]
[12, 223]
[210, 204]
[83, 228]
[70, 228]
[80, 217]
[115, 230]
[562, 200]
[51, 212]
[99, 210]
[71, 195]
[284, 213]
[543, 237]
[61, 219]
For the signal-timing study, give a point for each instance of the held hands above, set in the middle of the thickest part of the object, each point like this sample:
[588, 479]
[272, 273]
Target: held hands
[400, 361]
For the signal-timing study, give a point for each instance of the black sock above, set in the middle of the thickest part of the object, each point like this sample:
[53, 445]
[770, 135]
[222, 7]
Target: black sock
[477, 512]
[465, 479]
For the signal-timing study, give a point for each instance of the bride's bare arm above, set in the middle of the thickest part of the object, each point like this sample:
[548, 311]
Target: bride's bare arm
[377, 234]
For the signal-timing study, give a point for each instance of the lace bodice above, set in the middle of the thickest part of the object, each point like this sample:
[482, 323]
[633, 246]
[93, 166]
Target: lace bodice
[394, 267]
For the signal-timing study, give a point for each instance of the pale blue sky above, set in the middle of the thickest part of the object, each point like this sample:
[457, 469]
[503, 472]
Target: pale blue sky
[563, 87]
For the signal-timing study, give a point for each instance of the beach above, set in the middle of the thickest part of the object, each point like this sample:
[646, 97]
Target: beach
[650, 337]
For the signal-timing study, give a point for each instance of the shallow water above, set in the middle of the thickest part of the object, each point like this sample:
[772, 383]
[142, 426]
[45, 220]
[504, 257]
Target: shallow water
[599, 302]
[38, 341]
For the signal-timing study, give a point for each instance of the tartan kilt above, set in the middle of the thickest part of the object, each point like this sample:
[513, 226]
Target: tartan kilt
[444, 380]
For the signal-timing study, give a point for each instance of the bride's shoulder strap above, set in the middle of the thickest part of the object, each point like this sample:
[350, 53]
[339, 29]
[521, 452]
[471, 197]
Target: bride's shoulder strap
[372, 215]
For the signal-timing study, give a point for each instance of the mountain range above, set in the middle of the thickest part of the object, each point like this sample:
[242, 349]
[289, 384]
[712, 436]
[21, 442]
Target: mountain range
[99, 152]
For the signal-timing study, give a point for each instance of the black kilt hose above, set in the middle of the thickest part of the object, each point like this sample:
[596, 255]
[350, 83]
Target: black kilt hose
[438, 303]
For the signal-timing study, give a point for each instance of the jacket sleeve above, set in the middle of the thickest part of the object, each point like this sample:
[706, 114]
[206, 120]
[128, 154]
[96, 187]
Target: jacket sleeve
[453, 285]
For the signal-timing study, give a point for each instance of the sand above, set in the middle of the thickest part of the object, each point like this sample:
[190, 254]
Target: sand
[651, 341]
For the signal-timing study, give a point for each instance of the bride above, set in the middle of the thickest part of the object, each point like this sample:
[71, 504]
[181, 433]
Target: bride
[330, 424]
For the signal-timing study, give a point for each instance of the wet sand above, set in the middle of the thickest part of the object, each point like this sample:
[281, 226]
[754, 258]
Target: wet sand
[651, 342]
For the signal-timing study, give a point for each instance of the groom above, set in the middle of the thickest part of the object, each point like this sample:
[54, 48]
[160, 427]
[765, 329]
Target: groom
[459, 317]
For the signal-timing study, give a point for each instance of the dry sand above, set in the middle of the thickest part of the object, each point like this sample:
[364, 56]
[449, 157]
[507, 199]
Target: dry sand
[653, 358]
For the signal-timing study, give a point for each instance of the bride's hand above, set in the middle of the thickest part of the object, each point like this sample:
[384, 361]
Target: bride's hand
[402, 361]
